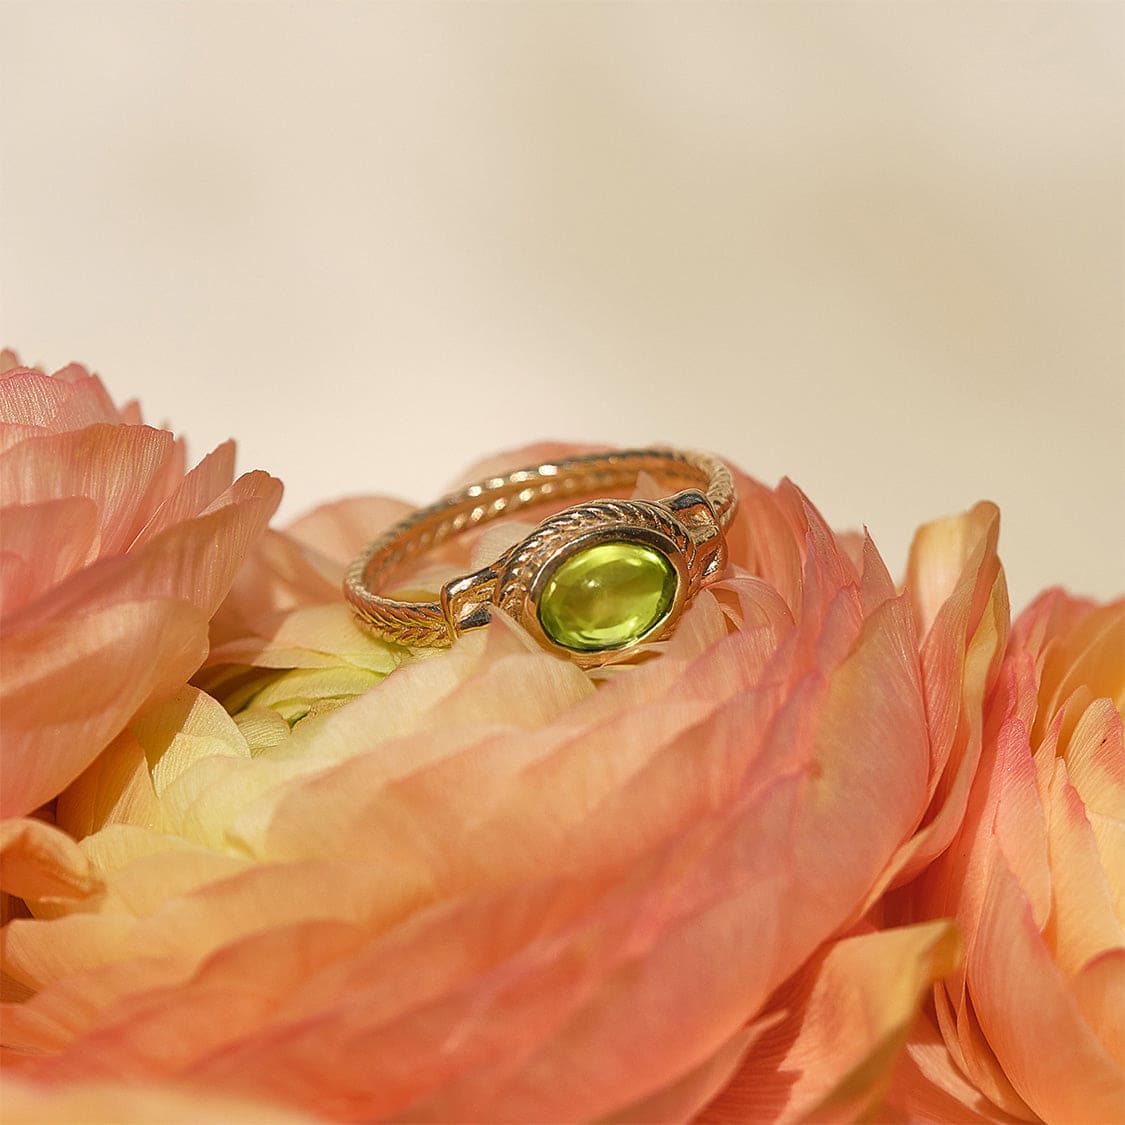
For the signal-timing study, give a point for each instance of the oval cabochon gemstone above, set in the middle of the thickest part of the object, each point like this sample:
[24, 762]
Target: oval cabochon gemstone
[607, 596]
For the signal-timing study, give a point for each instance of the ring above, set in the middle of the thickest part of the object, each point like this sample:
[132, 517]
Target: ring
[589, 582]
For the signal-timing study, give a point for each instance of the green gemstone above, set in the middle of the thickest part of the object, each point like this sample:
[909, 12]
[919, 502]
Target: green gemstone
[607, 596]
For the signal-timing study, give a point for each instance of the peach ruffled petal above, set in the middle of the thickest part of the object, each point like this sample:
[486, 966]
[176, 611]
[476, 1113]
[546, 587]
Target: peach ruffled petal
[683, 1099]
[1095, 761]
[1034, 876]
[38, 862]
[69, 400]
[937, 560]
[1005, 795]
[570, 994]
[279, 575]
[28, 397]
[13, 434]
[928, 1088]
[89, 402]
[198, 488]
[322, 636]
[1021, 825]
[1089, 656]
[42, 544]
[116, 466]
[341, 530]
[965, 635]
[1099, 992]
[71, 684]
[1083, 922]
[37, 954]
[118, 1104]
[115, 788]
[183, 730]
[194, 561]
[1031, 1019]
[846, 1015]
[761, 541]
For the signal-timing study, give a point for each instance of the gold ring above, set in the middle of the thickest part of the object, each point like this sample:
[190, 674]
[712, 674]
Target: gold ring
[589, 582]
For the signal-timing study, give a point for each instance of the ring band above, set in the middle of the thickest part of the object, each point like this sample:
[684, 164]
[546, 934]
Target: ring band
[587, 583]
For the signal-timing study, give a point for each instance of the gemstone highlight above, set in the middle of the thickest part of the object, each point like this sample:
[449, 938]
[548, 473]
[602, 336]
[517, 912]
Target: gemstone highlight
[607, 596]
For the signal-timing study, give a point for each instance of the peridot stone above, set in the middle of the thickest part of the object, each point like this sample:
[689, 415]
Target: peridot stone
[607, 596]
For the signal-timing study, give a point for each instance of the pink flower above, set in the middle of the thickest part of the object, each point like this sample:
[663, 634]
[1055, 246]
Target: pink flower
[1035, 1014]
[490, 886]
[112, 559]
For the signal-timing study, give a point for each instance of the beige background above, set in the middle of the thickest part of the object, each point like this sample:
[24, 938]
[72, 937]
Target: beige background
[877, 247]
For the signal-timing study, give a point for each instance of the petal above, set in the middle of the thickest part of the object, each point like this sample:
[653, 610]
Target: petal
[174, 916]
[12, 435]
[44, 543]
[761, 540]
[1095, 760]
[89, 402]
[1099, 992]
[470, 686]
[178, 732]
[874, 700]
[195, 560]
[117, 466]
[37, 952]
[1021, 827]
[341, 530]
[115, 788]
[1083, 923]
[278, 575]
[199, 488]
[1032, 1021]
[683, 1099]
[561, 1011]
[847, 1015]
[323, 636]
[1090, 655]
[30, 398]
[115, 1103]
[940, 554]
[301, 693]
[1004, 811]
[72, 683]
[961, 656]
[38, 862]
[929, 1088]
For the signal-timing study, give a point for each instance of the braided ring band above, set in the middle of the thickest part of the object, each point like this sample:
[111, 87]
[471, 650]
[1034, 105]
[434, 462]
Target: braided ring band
[589, 581]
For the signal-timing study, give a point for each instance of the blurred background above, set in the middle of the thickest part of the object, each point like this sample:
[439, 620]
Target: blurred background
[879, 248]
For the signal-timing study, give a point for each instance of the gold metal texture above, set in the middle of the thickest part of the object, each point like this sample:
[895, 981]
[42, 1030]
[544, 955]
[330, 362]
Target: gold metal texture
[687, 527]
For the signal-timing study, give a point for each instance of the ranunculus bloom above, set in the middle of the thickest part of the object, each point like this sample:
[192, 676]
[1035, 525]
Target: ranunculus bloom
[1035, 1015]
[112, 559]
[485, 885]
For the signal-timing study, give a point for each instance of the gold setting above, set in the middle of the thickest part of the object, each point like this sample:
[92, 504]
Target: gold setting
[687, 528]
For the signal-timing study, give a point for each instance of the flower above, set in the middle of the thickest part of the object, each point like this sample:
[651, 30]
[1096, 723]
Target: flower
[1036, 876]
[487, 885]
[113, 558]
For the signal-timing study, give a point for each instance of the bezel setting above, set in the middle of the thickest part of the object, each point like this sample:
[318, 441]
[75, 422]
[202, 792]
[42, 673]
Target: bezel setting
[684, 529]
[546, 561]
[574, 575]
